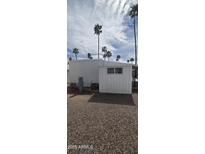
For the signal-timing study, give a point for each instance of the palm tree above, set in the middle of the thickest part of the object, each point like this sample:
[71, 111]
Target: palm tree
[133, 12]
[76, 51]
[128, 61]
[118, 57]
[109, 54]
[104, 50]
[131, 59]
[98, 30]
[104, 56]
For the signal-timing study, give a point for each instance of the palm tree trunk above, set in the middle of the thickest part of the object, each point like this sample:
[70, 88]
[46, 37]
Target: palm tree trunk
[98, 46]
[75, 56]
[135, 43]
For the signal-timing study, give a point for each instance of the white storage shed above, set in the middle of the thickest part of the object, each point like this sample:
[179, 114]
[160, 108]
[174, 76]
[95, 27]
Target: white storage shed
[112, 77]
[115, 77]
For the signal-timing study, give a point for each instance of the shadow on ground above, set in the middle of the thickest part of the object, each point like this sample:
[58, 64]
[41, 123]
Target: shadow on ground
[121, 99]
[73, 94]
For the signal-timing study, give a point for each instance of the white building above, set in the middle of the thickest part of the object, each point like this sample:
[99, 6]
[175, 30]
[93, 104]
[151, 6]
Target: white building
[112, 77]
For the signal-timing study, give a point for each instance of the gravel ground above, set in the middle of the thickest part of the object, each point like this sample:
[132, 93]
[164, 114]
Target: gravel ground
[107, 123]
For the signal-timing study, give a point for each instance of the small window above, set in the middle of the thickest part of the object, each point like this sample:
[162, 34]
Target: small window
[118, 70]
[110, 70]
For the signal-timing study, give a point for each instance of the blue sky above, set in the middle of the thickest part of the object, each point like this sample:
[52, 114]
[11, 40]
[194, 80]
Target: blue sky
[117, 28]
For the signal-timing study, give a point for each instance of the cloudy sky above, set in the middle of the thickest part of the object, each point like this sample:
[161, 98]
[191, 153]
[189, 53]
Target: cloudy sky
[117, 31]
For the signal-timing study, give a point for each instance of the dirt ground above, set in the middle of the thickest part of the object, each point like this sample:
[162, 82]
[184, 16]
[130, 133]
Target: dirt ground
[102, 124]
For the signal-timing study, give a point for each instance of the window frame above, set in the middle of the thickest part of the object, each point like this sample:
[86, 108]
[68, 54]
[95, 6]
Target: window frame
[119, 72]
[114, 70]
[109, 68]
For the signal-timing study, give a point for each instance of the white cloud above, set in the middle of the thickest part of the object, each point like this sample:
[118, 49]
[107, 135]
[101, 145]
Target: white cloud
[84, 14]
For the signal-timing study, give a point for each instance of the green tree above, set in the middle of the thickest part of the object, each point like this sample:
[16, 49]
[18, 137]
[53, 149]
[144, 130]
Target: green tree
[76, 52]
[98, 30]
[133, 12]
